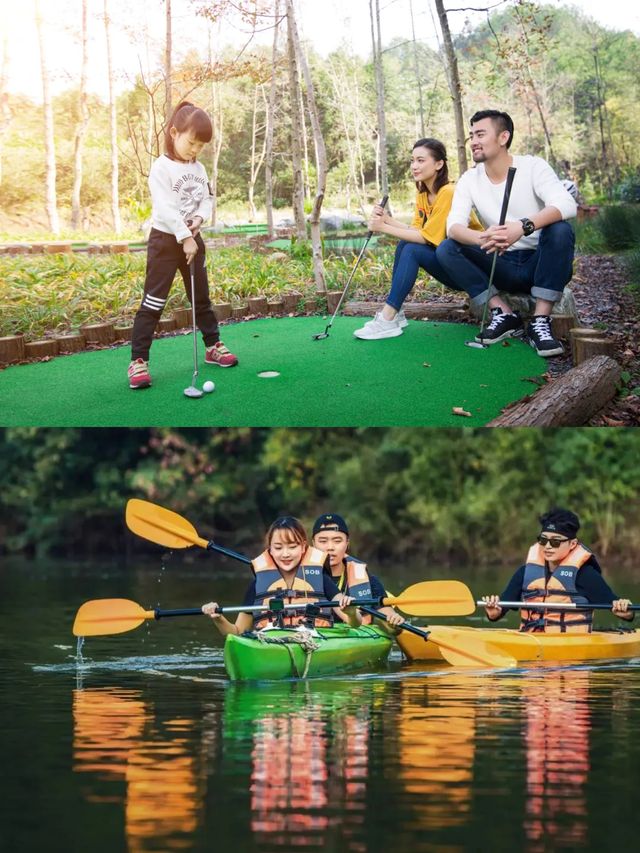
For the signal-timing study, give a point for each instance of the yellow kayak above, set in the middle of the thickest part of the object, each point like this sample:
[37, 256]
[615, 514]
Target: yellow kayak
[528, 647]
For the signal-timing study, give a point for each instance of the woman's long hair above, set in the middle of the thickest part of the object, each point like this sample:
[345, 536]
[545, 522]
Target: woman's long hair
[439, 153]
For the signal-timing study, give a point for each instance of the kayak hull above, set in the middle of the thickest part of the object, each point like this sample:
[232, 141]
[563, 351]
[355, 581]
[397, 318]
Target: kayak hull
[340, 649]
[532, 647]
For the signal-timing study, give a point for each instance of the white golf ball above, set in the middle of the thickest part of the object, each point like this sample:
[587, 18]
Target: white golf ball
[208, 386]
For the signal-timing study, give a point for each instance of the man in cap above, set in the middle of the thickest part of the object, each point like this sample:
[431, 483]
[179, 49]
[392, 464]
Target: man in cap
[331, 534]
[558, 569]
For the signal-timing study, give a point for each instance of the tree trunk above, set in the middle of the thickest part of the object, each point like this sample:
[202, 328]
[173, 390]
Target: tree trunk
[5, 112]
[455, 88]
[81, 130]
[321, 159]
[376, 39]
[296, 130]
[271, 115]
[217, 122]
[113, 128]
[51, 203]
[570, 400]
[257, 159]
[167, 60]
[416, 65]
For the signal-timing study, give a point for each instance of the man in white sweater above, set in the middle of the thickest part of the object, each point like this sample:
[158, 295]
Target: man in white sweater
[535, 245]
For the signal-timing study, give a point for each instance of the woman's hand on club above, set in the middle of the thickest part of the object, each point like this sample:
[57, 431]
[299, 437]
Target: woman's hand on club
[378, 219]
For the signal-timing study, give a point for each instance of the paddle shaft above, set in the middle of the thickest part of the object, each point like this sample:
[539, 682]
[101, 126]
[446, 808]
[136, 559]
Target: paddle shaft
[522, 605]
[404, 627]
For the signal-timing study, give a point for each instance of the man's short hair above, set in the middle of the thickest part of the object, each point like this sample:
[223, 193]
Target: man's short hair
[501, 121]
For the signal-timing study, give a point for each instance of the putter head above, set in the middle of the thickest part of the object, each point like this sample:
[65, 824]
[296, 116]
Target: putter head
[321, 336]
[476, 345]
[192, 391]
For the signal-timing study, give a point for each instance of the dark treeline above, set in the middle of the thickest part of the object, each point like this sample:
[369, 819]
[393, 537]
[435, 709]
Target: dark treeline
[468, 495]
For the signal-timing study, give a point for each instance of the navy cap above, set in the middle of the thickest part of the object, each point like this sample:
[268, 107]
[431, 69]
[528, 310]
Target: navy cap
[562, 521]
[330, 521]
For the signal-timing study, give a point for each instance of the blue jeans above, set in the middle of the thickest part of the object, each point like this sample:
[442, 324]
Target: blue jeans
[542, 272]
[410, 258]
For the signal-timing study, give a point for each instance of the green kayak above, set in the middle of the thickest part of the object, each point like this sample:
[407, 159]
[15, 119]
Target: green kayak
[294, 653]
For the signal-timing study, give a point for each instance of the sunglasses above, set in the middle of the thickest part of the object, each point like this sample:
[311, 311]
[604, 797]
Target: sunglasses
[555, 543]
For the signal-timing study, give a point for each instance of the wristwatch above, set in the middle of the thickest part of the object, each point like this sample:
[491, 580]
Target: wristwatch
[528, 227]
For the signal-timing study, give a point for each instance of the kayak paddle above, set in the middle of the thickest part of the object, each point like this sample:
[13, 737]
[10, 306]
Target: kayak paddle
[169, 529]
[462, 651]
[523, 605]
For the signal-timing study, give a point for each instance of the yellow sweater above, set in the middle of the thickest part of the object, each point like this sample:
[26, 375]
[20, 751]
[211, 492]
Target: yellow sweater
[431, 219]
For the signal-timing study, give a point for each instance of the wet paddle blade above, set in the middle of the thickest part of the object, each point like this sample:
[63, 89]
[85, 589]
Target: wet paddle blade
[459, 649]
[109, 616]
[435, 598]
[161, 525]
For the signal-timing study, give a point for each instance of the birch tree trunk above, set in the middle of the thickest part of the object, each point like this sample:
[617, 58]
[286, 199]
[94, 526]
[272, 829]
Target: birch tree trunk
[321, 157]
[5, 112]
[257, 158]
[81, 130]
[455, 89]
[167, 59]
[51, 202]
[271, 115]
[217, 123]
[296, 129]
[416, 66]
[113, 128]
[376, 38]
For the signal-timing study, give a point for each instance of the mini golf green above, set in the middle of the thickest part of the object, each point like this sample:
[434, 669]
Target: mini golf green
[412, 380]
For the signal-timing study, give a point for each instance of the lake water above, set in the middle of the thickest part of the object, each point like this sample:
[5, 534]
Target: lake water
[145, 746]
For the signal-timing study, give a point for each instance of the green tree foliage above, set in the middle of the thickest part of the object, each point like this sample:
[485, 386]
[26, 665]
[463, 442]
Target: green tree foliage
[466, 495]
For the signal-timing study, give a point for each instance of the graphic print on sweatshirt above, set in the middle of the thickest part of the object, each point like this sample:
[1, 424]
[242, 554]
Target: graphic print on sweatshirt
[190, 189]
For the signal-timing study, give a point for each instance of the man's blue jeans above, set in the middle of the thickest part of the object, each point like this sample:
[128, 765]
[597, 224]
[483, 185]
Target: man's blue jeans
[542, 272]
[410, 258]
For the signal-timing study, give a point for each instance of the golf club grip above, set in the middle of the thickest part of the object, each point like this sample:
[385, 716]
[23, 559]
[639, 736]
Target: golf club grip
[507, 194]
[383, 204]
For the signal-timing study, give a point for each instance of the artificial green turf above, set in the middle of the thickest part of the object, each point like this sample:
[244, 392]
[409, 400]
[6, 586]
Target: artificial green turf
[414, 380]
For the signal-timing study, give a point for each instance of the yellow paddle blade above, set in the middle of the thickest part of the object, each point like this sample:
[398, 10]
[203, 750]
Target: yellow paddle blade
[161, 525]
[109, 616]
[434, 598]
[460, 649]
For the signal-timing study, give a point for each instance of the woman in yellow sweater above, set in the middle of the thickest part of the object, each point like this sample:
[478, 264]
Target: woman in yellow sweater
[418, 241]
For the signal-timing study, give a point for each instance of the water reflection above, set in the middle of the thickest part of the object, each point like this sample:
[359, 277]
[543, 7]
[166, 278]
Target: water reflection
[309, 745]
[116, 738]
[556, 731]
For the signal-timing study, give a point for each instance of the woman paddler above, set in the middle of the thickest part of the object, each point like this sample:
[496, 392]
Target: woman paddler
[558, 570]
[331, 534]
[290, 570]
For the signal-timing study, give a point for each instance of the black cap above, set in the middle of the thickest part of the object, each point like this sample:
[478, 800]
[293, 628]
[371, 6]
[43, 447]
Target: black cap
[562, 521]
[330, 521]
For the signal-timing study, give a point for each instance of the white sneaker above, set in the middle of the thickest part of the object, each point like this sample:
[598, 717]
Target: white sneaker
[401, 318]
[379, 328]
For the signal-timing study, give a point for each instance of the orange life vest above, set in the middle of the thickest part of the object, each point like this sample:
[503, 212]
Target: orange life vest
[307, 587]
[560, 588]
[355, 582]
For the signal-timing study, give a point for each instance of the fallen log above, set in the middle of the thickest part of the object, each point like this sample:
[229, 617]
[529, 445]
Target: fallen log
[571, 400]
[413, 310]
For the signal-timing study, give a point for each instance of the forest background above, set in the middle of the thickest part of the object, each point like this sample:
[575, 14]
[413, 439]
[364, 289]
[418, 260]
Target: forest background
[442, 496]
[570, 84]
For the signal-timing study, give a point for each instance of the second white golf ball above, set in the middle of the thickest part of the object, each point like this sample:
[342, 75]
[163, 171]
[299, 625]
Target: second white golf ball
[208, 386]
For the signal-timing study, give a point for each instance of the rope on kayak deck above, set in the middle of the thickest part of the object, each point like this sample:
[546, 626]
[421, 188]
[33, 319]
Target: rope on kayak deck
[302, 637]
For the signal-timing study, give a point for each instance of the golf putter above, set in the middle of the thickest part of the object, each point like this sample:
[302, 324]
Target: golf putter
[325, 334]
[192, 391]
[503, 215]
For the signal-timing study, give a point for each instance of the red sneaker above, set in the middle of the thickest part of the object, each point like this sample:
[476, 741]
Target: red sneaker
[220, 355]
[139, 376]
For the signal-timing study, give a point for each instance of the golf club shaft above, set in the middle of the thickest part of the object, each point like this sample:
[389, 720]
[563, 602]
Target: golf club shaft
[193, 320]
[383, 203]
[511, 173]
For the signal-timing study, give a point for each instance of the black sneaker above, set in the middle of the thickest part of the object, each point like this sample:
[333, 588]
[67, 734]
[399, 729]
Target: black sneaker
[501, 326]
[541, 339]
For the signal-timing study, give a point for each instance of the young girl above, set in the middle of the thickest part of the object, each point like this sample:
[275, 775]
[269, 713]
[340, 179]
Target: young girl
[287, 564]
[181, 202]
[418, 241]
